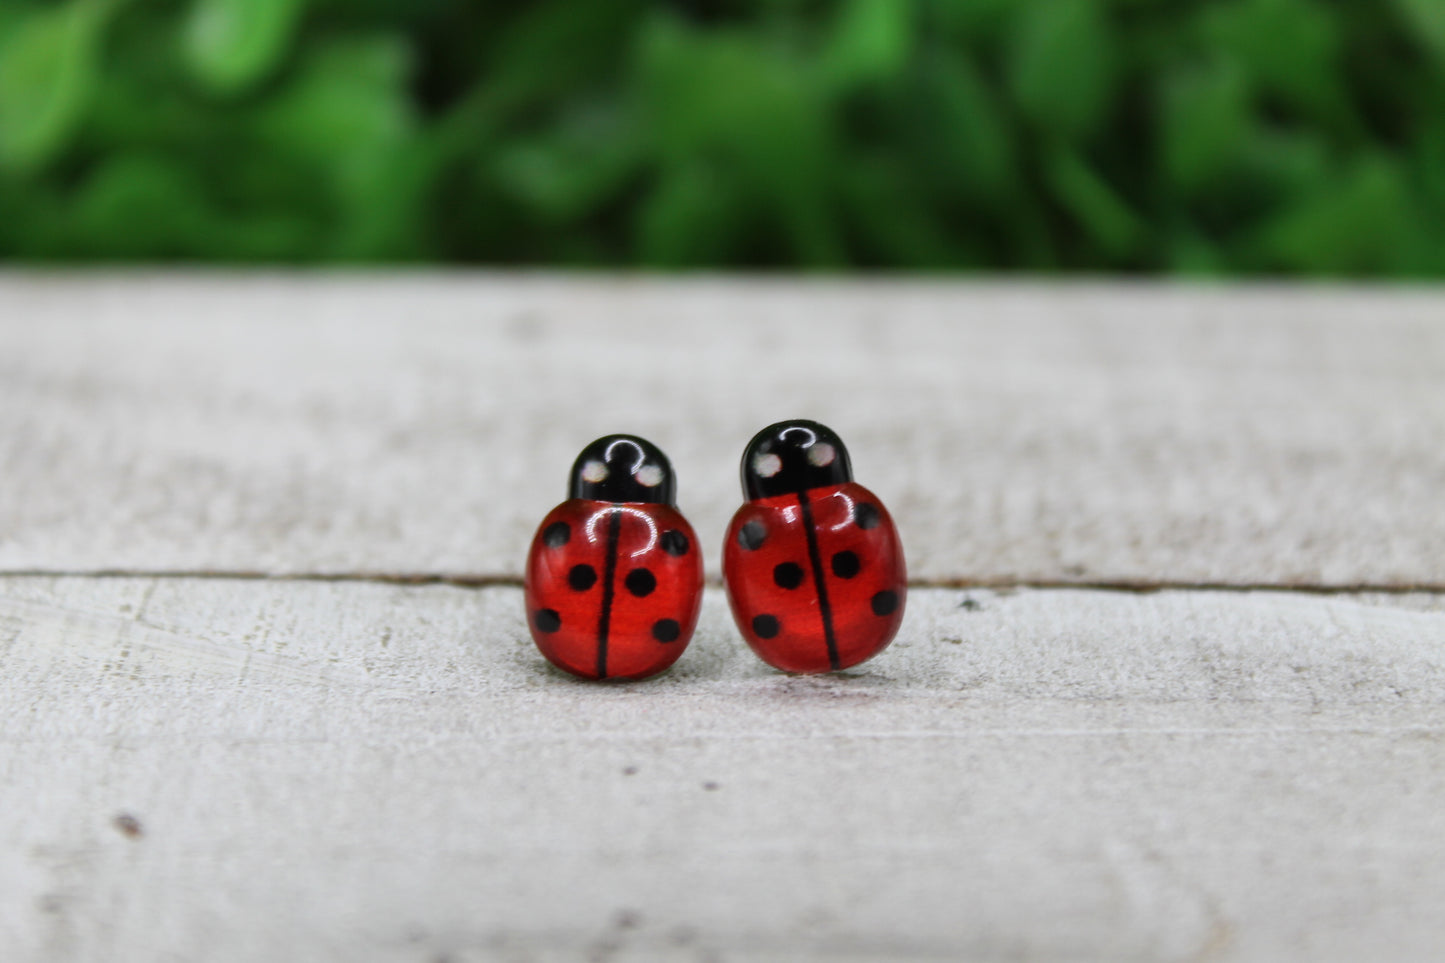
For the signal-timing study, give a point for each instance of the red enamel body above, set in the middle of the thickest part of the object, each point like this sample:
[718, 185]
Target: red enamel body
[816, 578]
[613, 588]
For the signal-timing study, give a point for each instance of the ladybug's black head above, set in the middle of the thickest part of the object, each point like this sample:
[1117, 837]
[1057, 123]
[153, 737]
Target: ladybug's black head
[623, 468]
[793, 456]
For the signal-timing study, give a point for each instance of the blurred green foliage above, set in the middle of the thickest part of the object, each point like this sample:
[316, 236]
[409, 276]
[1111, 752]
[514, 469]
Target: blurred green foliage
[1187, 136]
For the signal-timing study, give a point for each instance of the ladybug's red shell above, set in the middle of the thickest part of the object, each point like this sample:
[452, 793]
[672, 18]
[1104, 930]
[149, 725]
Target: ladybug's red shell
[816, 579]
[613, 588]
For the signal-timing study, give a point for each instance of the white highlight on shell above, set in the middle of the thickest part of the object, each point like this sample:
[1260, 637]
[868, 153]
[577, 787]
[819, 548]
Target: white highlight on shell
[637, 451]
[594, 472]
[799, 430]
[649, 476]
[821, 454]
[766, 466]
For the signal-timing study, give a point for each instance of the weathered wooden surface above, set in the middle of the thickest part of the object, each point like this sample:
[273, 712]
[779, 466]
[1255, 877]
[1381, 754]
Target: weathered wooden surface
[424, 424]
[238, 768]
[250, 770]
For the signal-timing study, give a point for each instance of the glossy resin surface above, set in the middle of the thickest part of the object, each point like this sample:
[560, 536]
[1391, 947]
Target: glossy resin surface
[816, 578]
[613, 588]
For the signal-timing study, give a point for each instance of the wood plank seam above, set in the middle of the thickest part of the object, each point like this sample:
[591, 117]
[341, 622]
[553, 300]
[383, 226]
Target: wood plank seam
[1135, 586]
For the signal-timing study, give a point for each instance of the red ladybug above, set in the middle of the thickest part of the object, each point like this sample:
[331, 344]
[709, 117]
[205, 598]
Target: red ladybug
[813, 565]
[614, 576]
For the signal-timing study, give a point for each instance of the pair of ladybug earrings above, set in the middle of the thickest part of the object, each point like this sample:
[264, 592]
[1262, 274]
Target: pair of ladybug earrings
[812, 562]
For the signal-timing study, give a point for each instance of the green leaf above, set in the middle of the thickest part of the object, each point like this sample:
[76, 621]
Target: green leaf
[695, 216]
[29, 226]
[1428, 19]
[233, 44]
[1062, 66]
[871, 40]
[1205, 115]
[347, 104]
[1291, 48]
[970, 131]
[1429, 158]
[1194, 256]
[568, 172]
[740, 103]
[1364, 224]
[346, 126]
[140, 207]
[898, 225]
[1103, 215]
[547, 51]
[48, 68]
[1285, 165]
[14, 14]
[971, 19]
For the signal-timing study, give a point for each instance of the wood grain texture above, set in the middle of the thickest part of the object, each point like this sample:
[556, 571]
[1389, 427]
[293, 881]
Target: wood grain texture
[246, 770]
[423, 424]
[236, 768]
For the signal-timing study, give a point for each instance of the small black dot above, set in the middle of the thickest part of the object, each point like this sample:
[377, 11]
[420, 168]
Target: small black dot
[846, 564]
[788, 575]
[765, 626]
[666, 630]
[640, 582]
[128, 825]
[547, 620]
[865, 515]
[582, 577]
[751, 535]
[885, 602]
[557, 534]
[674, 542]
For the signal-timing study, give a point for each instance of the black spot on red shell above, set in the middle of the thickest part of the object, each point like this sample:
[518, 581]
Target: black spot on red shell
[846, 564]
[788, 575]
[765, 626]
[752, 535]
[557, 534]
[640, 582]
[885, 602]
[547, 620]
[582, 577]
[865, 515]
[666, 630]
[674, 542]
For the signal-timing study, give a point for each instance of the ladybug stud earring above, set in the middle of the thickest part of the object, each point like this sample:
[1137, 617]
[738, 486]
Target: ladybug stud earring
[813, 565]
[614, 575]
